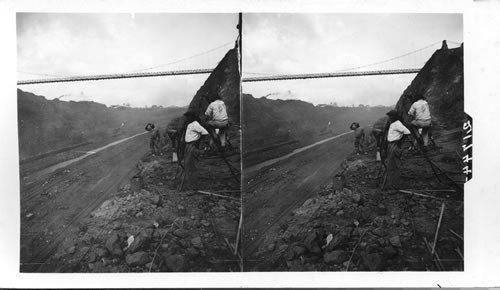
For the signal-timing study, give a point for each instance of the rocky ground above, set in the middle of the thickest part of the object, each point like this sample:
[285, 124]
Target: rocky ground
[353, 225]
[151, 226]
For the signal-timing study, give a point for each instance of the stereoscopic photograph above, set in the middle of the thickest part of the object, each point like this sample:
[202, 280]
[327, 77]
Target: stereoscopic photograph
[241, 142]
[352, 155]
[129, 142]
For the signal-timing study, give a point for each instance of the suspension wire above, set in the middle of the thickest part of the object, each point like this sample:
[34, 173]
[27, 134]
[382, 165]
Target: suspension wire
[454, 42]
[391, 59]
[186, 58]
[139, 70]
[261, 74]
[39, 74]
[363, 66]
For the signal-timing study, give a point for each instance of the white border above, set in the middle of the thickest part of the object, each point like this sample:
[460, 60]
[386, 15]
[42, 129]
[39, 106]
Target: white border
[482, 86]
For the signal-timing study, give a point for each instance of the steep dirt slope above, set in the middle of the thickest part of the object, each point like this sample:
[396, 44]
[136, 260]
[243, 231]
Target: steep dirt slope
[47, 125]
[268, 122]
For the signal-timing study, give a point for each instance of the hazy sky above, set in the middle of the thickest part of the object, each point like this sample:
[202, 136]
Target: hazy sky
[316, 43]
[53, 45]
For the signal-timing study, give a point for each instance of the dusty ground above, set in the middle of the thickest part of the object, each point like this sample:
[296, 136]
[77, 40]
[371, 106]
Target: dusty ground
[60, 201]
[270, 152]
[28, 168]
[273, 192]
[349, 223]
[85, 216]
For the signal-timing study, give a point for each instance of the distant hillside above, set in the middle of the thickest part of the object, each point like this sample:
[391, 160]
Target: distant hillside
[47, 125]
[267, 122]
[441, 81]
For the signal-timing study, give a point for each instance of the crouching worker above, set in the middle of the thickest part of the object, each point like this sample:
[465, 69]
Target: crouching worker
[217, 119]
[194, 132]
[378, 131]
[155, 139]
[420, 112]
[359, 138]
[395, 136]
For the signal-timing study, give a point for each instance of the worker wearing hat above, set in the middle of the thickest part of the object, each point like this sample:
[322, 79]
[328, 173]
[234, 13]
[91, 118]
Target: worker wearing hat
[155, 138]
[359, 138]
[395, 136]
[194, 131]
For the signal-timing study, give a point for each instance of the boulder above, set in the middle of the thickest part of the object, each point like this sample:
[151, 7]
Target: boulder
[140, 242]
[137, 259]
[316, 250]
[356, 198]
[113, 246]
[151, 266]
[181, 233]
[192, 252]
[197, 243]
[311, 241]
[382, 209]
[379, 232]
[372, 248]
[374, 262]
[101, 252]
[155, 199]
[71, 250]
[92, 258]
[340, 239]
[310, 259]
[290, 255]
[390, 252]
[335, 257]
[175, 263]
[395, 241]
[299, 250]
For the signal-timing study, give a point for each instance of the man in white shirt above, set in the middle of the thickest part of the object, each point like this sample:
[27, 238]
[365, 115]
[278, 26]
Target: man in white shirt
[421, 114]
[216, 115]
[194, 132]
[395, 136]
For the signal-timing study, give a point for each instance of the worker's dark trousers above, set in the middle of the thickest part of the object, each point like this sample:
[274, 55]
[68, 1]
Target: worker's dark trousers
[154, 145]
[190, 163]
[359, 144]
[222, 126]
[425, 125]
[392, 163]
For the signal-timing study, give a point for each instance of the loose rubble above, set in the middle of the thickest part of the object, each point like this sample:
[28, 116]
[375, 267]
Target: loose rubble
[149, 226]
[352, 225]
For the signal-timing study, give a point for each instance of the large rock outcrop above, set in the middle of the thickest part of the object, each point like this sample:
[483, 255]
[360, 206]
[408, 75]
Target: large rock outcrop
[224, 80]
[441, 81]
